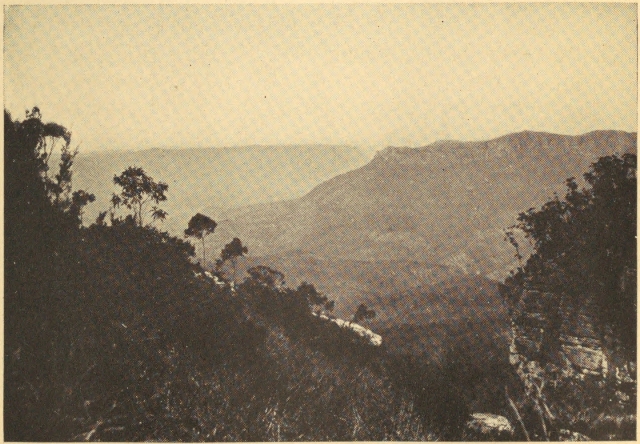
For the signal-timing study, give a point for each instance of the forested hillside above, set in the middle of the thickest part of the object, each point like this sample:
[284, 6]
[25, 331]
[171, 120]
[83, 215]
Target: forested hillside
[113, 332]
[118, 331]
[573, 307]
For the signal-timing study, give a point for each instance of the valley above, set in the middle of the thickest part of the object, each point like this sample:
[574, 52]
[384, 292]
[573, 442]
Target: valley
[417, 234]
[412, 240]
[215, 178]
[320, 222]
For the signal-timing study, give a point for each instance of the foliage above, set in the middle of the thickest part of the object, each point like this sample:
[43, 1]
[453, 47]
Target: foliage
[231, 252]
[38, 221]
[438, 394]
[138, 190]
[30, 191]
[199, 227]
[553, 402]
[79, 199]
[433, 392]
[584, 253]
[266, 276]
[113, 334]
[585, 246]
[317, 301]
[363, 314]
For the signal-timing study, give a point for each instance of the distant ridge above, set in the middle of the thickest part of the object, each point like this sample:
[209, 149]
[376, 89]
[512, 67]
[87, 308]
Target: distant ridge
[522, 140]
[447, 202]
[217, 177]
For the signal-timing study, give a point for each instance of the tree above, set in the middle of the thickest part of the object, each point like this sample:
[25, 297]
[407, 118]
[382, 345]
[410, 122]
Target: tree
[139, 190]
[363, 314]
[41, 228]
[585, 247]
[80, 199]
[231, 252]
[199, 227]
[311, 295]
[29, 146]
[330, 306]
[266, 276]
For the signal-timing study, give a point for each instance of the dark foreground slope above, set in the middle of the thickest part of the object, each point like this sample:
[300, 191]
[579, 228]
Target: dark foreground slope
[137, 347]
[431, 312]
[113, 334]
[446, 203]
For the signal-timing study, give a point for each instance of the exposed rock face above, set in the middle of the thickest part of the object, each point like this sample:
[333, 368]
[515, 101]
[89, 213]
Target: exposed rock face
[373, 338]
[216, 280]
[487, 427]
[571, 371]
[547, 328]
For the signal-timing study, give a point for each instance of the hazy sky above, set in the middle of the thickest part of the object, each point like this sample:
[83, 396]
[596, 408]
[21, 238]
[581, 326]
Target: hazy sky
[140, 76]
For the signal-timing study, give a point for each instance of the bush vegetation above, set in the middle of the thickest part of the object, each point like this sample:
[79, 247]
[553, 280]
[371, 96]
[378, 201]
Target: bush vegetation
[584, 253]
[114, 332]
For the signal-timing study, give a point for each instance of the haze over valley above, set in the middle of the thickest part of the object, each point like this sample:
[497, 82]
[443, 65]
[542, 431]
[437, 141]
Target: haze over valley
[217, 178]
[423, 226]
[447, 203]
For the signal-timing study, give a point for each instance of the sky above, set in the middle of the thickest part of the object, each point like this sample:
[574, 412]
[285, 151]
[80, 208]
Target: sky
[132, 77]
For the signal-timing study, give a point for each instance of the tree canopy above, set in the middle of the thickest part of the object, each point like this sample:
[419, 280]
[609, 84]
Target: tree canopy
[138, 190]
[199, 227]
[585, 245]
[231, 252]
[363, 314]
[266, 276]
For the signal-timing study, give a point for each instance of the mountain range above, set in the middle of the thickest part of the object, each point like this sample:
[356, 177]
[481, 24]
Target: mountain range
[416, 233]
[447, 203]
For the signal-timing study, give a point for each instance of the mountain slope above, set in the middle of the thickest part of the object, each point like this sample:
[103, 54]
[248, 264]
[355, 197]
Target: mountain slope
[445, 203]
[400, 291]
[216, 177]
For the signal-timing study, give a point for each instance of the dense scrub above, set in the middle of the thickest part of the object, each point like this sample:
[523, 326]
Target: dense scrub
[585, 257]
[113, 333]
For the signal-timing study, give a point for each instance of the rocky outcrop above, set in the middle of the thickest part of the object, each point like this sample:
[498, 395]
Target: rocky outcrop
[547, 328]
[206, 274]
[573, 376]
[373, 338]
[487, 427]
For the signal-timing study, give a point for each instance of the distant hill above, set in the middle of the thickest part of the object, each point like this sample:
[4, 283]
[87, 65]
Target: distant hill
[446, 203]
[201, 178]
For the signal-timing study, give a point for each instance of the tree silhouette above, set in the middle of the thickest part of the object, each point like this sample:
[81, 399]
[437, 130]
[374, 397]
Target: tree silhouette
[316, 300]
[80, 199]
[40, 227]
[231, 252]
[138, 190]
[330, 306]
[363, 314]
[266, 276]
[199, 227]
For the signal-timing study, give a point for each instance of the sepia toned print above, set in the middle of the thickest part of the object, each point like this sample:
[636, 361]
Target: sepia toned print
[406, 222]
